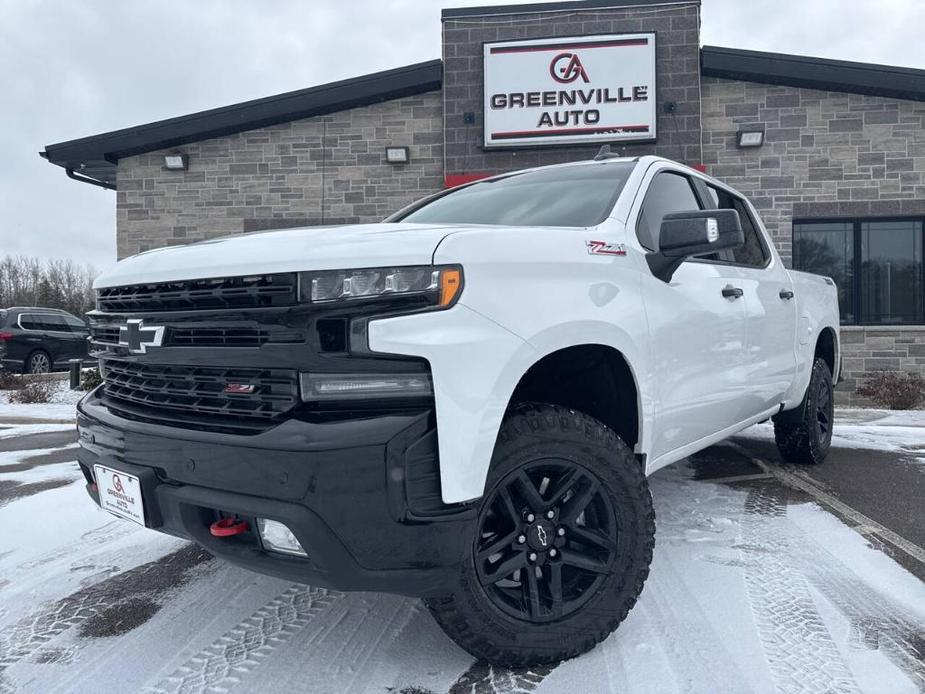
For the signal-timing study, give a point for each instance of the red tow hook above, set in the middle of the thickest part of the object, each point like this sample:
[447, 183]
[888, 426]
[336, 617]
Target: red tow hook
[226, 527]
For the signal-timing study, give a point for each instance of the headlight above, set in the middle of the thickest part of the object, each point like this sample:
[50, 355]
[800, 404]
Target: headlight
[440, 284]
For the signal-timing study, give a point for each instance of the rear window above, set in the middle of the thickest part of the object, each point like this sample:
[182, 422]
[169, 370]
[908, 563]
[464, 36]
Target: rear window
[2, 319]
[566, 196]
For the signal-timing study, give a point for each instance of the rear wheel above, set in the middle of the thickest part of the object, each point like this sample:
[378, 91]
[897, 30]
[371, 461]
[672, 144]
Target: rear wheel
[804, 434]
[38, 363]
[563, 543]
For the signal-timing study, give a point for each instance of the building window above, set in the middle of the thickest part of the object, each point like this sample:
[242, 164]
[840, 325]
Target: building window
[876, 263]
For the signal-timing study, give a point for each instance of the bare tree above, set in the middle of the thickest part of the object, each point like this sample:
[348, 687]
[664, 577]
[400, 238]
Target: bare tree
[28, 281]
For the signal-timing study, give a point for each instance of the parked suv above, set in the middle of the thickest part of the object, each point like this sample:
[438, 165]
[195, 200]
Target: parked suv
[463, 402]
[39, 340]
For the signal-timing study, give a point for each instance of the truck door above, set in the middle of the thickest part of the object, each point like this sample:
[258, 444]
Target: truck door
[697, 328]
[769, 302]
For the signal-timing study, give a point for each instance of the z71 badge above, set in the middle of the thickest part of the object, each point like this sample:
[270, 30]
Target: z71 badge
[603, 248]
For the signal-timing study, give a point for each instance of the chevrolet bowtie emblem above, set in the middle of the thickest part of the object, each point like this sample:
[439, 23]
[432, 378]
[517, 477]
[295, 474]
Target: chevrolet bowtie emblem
[138, 337]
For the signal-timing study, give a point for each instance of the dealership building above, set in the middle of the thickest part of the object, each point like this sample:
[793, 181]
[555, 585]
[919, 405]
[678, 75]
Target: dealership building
[832, 153]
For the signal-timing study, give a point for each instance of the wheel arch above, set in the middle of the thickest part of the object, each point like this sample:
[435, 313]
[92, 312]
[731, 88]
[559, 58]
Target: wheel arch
[596, 379]
[827, 349]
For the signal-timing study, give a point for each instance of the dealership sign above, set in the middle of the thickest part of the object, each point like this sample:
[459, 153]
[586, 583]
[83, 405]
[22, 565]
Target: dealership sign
[567, 90]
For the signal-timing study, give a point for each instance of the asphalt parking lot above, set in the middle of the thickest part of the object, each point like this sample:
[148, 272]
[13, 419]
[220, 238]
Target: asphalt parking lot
[766, 578]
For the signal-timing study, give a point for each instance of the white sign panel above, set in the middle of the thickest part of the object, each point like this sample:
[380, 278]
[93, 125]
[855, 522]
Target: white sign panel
[567, 90]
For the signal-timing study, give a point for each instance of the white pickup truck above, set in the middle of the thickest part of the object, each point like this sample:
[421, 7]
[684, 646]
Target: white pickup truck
[463, 402]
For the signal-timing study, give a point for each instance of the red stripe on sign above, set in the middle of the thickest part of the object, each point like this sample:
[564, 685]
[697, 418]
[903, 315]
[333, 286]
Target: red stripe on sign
[453, 180]
[566, 46]
[513, 134]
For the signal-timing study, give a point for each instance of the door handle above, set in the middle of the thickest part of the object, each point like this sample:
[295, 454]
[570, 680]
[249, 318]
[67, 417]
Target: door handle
[731, 292]
[785, 294]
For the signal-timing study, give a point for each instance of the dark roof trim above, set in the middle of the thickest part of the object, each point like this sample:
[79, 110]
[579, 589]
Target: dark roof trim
[572, 6]
[813, 73]
[96, 156]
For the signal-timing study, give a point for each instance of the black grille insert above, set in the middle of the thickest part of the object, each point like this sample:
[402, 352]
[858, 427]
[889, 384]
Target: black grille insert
[251, 394]
[194, 295]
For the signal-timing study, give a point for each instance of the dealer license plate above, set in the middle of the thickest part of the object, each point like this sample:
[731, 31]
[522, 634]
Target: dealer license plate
[120, 493]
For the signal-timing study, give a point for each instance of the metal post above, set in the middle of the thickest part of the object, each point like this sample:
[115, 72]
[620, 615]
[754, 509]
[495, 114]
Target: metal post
[75, 365]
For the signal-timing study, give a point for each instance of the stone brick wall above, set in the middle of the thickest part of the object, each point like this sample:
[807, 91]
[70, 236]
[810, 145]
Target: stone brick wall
[272, 177]
[826, 154]
[868, 350]
[677, 80]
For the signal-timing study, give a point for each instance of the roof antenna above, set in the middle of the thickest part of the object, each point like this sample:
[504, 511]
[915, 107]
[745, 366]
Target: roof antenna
[606, 153]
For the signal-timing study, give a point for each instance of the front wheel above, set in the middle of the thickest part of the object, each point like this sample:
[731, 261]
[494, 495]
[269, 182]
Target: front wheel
[563, 543]
[804, 434]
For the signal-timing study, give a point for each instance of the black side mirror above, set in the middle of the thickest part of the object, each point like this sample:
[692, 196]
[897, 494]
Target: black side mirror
[687, 234]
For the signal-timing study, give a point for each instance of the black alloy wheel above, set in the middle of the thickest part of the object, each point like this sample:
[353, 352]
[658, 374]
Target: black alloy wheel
[561, 544]
[824, 412]
[547, 539]
[804, 434]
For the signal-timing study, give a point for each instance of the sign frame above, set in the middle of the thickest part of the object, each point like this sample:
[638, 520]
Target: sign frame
[611, 133]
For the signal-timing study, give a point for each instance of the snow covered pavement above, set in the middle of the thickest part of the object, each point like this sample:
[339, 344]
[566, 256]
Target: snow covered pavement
[755, 587]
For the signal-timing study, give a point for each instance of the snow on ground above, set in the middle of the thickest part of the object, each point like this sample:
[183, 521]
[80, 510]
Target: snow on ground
[63, 405]
[752, 589]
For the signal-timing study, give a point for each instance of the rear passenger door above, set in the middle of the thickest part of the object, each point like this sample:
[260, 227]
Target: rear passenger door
[769, 302]
[57, 336]
[697, 335]
[31, 337]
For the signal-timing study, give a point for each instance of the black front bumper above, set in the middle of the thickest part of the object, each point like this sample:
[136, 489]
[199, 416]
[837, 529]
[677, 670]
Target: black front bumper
[361, 494]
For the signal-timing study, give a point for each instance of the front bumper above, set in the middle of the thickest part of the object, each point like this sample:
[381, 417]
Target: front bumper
[362, 495]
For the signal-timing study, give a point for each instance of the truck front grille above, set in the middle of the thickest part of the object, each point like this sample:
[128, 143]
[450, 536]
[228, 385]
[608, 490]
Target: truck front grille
[106, 335]
[242, 394]
[198, 295]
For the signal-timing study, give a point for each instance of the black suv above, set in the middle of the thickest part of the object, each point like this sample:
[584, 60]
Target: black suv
[38, 340]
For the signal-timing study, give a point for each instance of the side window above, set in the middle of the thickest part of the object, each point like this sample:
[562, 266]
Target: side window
[28, 321]
[54, 322]
[668, 192]
[753, 251]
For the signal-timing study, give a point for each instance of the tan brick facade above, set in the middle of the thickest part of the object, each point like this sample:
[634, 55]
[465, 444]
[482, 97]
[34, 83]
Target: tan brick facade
[275, 176]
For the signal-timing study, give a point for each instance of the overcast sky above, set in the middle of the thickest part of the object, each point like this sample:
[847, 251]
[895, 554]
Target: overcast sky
[82, 67]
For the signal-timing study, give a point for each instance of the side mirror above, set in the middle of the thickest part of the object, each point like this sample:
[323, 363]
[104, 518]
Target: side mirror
[687, 234]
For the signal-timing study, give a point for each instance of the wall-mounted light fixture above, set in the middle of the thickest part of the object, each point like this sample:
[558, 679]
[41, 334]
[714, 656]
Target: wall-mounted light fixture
[750, 137]
[397, 155]
[176, 161]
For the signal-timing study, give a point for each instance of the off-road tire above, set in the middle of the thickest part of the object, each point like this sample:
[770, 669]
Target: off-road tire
[797, 432]
[540, 431]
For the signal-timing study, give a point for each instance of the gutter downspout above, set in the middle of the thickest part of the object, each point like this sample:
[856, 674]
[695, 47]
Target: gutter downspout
[87, 179]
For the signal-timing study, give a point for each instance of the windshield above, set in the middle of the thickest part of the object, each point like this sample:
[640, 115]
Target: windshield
[562, 196]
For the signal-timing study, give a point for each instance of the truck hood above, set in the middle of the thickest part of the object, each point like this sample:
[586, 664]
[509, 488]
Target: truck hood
[286, 250]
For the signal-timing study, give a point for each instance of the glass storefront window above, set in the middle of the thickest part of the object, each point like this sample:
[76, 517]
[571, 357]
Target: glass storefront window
[876, 263]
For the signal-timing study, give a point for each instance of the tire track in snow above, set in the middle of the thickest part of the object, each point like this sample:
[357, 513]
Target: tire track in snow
[221, 664]
[148, 581]
[800, 652]
[877, 622]
[482, 678]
